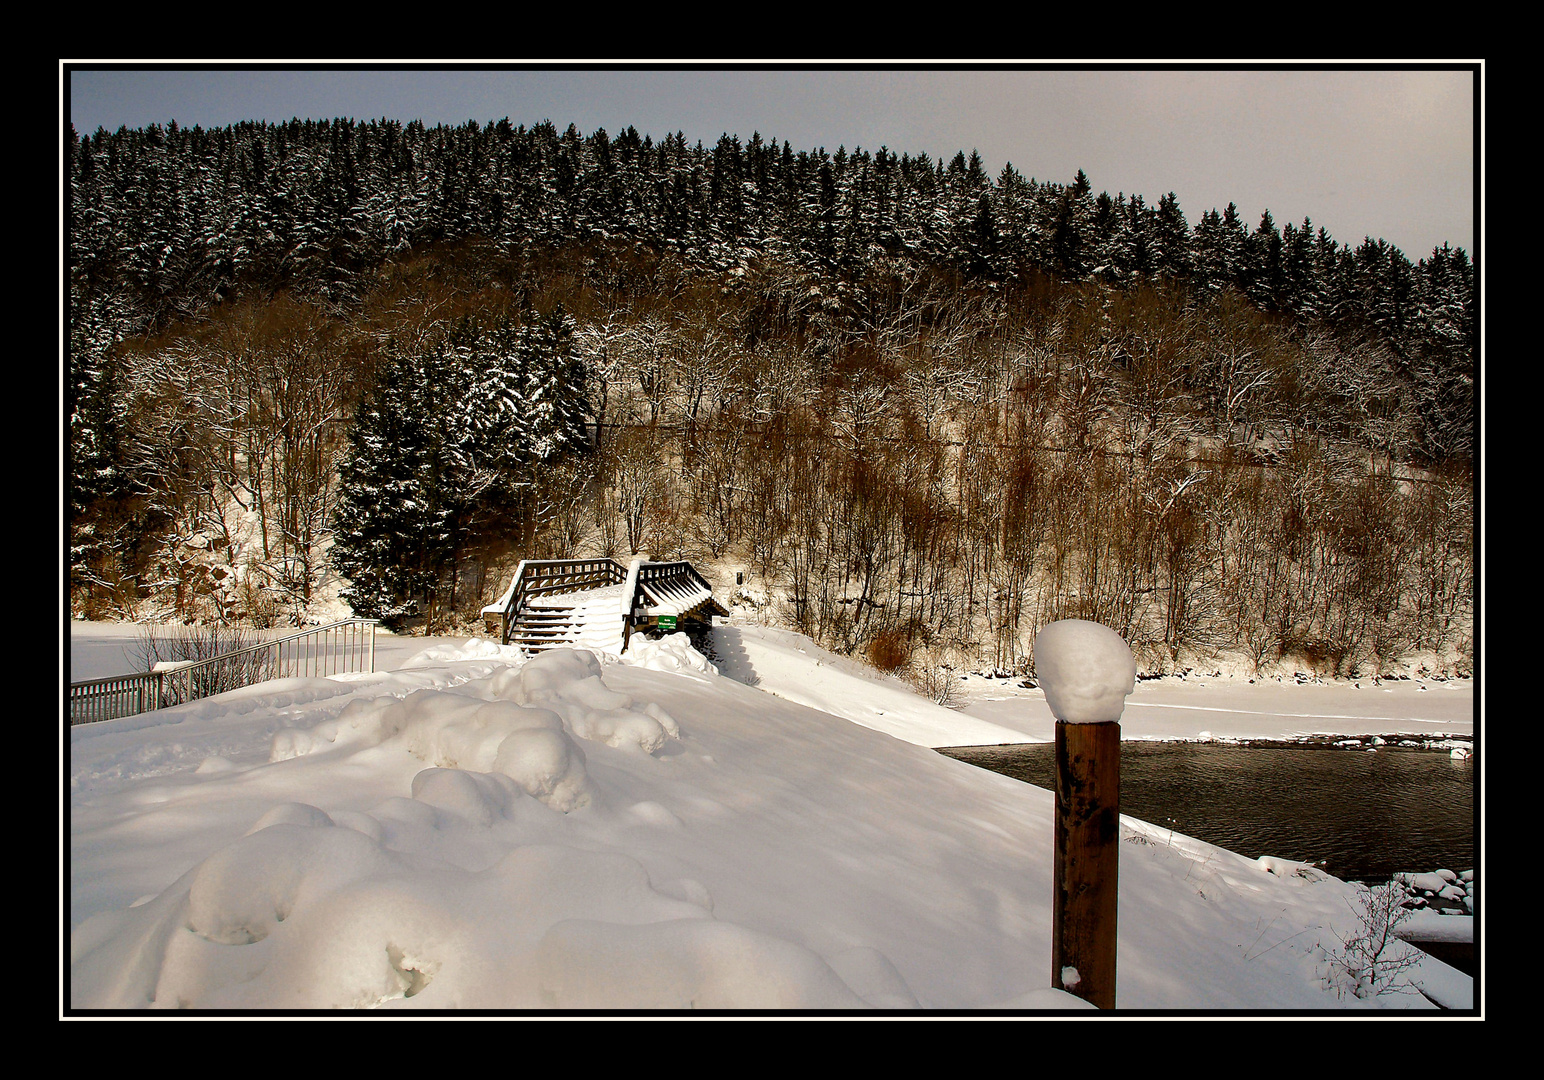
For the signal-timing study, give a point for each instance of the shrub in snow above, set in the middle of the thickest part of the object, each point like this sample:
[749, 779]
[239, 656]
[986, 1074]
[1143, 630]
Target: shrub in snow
[746, 596]
[293, 813]
[474, 649]
[1371, 959]
[937, 683]
[1085, 669]
[477, 798]
[1290, 869]
[527, 733]
[362, 723]
[548, 765]
[173, 648]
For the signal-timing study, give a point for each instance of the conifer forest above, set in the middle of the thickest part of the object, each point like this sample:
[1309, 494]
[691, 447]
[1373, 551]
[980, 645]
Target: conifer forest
[923, 408]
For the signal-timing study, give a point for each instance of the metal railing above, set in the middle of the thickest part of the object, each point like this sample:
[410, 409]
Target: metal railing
[345, 646]
[119, 695]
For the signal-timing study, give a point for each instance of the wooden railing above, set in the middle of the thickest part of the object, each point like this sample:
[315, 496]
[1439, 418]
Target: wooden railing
[334, 649]
[539, 577]
[659, 571]
[650, 573]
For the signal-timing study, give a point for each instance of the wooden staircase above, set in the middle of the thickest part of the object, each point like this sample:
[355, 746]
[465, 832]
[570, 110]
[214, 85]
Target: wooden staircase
[544, 628]
[597, 603]
[589, 618]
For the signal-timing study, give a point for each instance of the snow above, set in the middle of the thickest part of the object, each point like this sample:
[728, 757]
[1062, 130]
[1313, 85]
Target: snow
[675, 596]
[1221, 710]
[1086, 670]
[1434, 926]
[606, 598]
[1433, 882]
[791, 666]
[467, 830]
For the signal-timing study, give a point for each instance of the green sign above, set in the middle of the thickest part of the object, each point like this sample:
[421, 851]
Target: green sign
[667, 622]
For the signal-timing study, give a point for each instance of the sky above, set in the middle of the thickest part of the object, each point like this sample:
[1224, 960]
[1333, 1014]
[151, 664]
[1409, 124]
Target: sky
[467, 829]
[1386, 152]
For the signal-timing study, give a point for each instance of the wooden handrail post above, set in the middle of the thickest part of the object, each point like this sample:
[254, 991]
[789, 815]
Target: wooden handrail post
[1086, 865]
[1086, 671]
[629, 594]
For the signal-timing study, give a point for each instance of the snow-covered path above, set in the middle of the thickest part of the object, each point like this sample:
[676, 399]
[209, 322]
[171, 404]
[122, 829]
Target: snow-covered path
[791, 666]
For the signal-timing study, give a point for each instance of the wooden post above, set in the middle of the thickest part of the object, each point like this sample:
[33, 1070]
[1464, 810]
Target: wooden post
[1086, 671]
[1086, 861]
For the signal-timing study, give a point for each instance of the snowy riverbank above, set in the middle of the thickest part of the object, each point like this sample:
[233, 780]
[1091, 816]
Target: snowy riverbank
[996, 711]
[464, 831]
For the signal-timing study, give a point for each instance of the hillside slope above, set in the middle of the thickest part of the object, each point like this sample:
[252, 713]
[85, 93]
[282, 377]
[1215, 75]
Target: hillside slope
[472, 832]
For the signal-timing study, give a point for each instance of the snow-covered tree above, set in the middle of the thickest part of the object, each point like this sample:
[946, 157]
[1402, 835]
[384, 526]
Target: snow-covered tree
[389, 531]
[444, 456]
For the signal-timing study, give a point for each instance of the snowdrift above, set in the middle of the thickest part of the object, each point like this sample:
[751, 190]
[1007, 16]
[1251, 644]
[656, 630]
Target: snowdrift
[474, 831]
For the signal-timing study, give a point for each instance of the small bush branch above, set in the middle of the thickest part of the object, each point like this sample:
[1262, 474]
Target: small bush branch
[1372, 960]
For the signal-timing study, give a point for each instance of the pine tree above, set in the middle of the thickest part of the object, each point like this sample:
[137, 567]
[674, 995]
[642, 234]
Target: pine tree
[387, 533]
[98, 489]
[1264, 274]
[444, 458]
[1219, 249]
[983, 243]
[1171, 239]
[1072, 234]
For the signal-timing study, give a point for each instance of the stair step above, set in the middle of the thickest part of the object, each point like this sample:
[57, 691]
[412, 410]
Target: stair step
[550, 626]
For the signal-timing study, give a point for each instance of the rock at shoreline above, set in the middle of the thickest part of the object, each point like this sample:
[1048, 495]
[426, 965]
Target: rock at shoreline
[1441, 891]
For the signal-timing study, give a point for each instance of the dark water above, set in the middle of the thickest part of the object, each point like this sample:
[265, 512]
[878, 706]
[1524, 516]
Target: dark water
[1365, 816]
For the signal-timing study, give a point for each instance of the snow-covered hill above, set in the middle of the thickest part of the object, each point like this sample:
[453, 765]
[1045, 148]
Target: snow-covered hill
[470, 831]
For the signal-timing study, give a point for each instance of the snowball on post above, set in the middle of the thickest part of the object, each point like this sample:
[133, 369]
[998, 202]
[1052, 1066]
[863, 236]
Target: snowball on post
[1086, 670]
